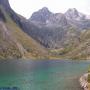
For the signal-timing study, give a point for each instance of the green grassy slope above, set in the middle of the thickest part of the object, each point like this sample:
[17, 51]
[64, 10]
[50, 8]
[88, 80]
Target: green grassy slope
[82, 51]
[77, 49]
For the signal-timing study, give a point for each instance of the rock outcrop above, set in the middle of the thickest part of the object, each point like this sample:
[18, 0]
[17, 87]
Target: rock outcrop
[83, 82]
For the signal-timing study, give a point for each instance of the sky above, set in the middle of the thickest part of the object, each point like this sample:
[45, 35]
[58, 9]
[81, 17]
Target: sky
[27, 7]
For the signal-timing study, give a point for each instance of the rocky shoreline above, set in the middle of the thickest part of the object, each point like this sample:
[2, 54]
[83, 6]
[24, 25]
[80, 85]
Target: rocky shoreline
[83, 82]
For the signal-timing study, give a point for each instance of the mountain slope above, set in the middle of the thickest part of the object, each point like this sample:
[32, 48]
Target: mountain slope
[55, 30]
[63, 34]
[14, 42]
[44, 35]
[83, 49]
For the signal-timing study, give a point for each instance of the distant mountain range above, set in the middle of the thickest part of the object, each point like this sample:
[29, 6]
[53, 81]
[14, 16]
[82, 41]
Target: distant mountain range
[44, 35]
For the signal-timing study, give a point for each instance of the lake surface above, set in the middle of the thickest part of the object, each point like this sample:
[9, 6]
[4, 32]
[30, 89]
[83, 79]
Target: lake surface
[42, 75]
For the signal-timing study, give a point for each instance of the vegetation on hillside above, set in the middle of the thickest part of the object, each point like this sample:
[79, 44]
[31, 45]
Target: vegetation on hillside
[57, 42]
[76, 50]
[15, 43]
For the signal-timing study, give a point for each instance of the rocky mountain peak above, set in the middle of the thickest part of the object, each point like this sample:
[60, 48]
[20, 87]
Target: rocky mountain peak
[41, 16]
[44, 9]
[73, 13]
[72, 10]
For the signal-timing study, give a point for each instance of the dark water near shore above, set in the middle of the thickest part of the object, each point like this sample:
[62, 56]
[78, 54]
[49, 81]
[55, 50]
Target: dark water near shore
[42, 75]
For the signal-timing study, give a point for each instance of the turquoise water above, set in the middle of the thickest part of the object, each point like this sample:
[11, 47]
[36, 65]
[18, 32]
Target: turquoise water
[42, 75]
